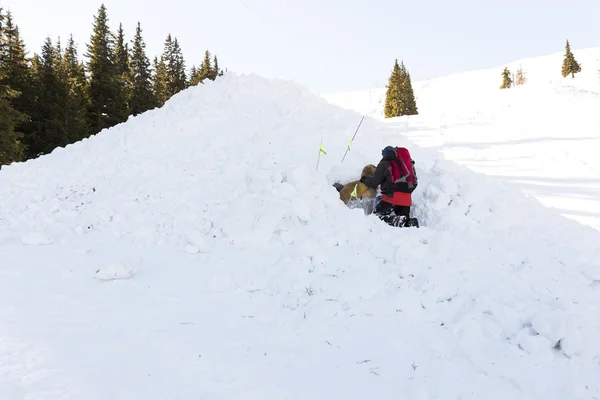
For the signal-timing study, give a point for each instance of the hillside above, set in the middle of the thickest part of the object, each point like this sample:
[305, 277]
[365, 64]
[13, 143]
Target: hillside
[196, 252]
[540, 137]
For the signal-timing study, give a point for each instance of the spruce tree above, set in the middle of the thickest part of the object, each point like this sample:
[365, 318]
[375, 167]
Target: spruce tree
[105, 83]
[141, 95]
[193, 76]
[206, 68]
[123, 75]
[214, 69]
[50, 115]
[159, 82]
[520, 77]
[78, 100]
[506, 79]
[408, 95]
[570, 65]
[17, 73]
[393, 96]
[11, 146]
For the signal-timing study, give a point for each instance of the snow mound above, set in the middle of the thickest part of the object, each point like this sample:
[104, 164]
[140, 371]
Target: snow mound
[257, 280]
[114, 271]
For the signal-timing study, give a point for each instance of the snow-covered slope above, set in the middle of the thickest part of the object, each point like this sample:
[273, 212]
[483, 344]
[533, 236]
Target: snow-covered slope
[541, 137]
[195, 252]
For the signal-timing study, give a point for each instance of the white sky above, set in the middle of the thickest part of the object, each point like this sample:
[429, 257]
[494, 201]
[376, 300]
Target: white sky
[330, 45]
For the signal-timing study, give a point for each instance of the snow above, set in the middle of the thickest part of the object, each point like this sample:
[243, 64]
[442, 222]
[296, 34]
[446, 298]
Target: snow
[197, 252]
[541, 137]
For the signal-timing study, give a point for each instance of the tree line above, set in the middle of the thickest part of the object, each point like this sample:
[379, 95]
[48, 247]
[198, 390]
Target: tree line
[53, 99]
[570, 66]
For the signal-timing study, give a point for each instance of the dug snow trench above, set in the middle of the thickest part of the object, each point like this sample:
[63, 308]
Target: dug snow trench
[195, 252]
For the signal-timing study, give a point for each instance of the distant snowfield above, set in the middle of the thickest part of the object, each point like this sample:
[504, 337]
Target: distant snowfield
[195, 252]
[542, 137]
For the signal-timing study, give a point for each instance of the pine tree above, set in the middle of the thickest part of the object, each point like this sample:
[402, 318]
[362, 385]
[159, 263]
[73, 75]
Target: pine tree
[17, 73]
[123, 75]
[50, 109]
[159, 82]
[393, 96]
[400, 97]
[506, 79]
[105, 83]
[520, 77]
[408, 95]
[214, 69]
[141, 95]
[193, 76]
[206, 68]
[570, 65]
[78, 100]
[11, 146]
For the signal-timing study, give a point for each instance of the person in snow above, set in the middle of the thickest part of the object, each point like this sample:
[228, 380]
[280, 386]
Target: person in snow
[397, 178]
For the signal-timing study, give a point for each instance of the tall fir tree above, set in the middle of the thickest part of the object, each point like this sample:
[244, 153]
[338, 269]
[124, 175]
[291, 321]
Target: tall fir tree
[141, 94]
[50, 114]
[78, 100]
[214, 70]
[104, 79]
[11, 146]
[569, 65]
[193, 76]
[17, 73]
[206, 68]
[123, 75]
[175, 66]
[408, 95]
[393, 96]
[160, 81]
[507, 80]
[400, 97]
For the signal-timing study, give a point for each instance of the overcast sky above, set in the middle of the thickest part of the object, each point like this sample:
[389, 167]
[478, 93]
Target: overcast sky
[330, 45]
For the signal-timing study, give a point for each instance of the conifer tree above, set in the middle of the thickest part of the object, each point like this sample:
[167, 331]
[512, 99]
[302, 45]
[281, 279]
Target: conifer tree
[11, 146]
[159, 82]
[141, 95]
[570, 65]
[214, 69]
[506, 79]
[520, 77]
[400, 97]
[393, 96]
[206, 68]
[17, 73]
[50, 115]
[193, 76]
[122, 74]
[78, 100]
[104, 79]
[408, 95]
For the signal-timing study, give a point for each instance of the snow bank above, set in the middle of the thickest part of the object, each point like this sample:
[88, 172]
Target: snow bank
[252, 279]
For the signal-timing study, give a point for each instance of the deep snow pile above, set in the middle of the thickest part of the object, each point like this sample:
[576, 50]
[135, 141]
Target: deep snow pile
[541, 137]
[195, 252]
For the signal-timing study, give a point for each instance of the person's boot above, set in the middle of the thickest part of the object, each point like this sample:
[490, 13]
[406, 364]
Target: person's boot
[410, 222]
[398, 221]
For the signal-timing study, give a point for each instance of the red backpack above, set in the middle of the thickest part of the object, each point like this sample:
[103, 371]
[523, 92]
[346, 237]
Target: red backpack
[404, 175]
